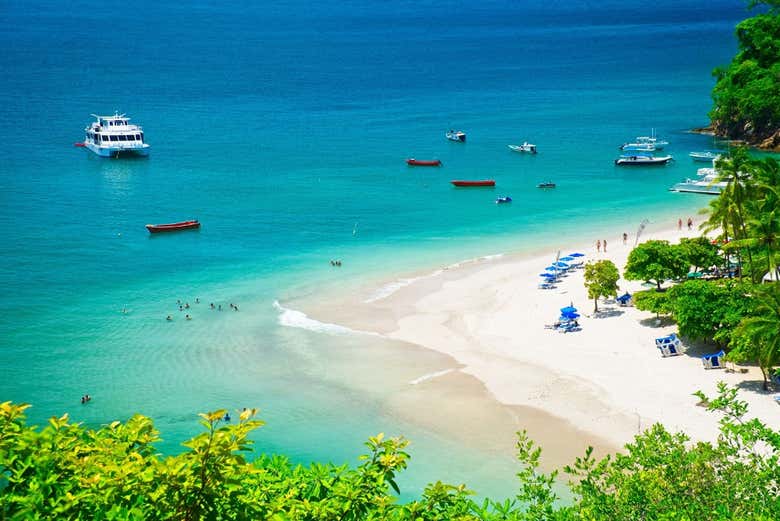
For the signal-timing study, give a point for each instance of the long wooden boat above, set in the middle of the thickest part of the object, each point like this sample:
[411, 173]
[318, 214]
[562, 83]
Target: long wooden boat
[172, 227]
[423, 162]
[482, 182]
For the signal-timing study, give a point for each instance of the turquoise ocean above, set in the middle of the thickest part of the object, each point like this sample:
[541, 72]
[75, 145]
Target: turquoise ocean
[283, 127]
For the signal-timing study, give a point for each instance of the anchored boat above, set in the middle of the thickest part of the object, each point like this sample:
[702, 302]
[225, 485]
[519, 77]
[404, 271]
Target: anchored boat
[110, 136]
[173, 227]
[482, 182]
[642, 160]
[423, 162]
[456, 135]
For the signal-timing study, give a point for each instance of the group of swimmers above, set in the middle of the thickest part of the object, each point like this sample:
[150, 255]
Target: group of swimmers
[86, 398]
[186, 305]
[335, 262]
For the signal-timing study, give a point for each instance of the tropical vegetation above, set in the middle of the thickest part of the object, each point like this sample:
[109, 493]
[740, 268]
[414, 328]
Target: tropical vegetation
[67, 471]
[601, 280]
[747, 93]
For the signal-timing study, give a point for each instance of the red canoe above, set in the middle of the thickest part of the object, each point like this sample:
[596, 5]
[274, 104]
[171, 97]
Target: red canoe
[172, 227]
[423, 162]
[484, 182]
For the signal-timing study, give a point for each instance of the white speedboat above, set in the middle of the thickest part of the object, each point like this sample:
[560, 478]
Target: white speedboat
[705, 157]
[456, 135]
[525, 147]
[642, 160]
[706, 183]
[112, 136]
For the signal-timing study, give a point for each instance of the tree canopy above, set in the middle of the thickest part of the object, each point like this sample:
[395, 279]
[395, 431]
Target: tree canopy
[656, 261]
[601, 280]
[747, 93]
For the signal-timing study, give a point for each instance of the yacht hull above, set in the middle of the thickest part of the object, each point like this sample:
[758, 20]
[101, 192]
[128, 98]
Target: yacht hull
[118, 151]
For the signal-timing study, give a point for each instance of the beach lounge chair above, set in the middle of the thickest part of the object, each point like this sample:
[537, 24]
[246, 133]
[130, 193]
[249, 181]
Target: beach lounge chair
[713, 360]
[777, 398]
[669, 345]
[625, 300]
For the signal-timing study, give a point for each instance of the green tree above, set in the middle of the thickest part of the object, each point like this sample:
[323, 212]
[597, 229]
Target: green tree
[657, 302]
[709, 310]
[758, 335]
[601, 280]
[700, 252]
[656, 261]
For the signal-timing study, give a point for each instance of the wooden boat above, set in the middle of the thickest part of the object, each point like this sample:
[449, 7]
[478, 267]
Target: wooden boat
[482, 182]
[423, 162]
[172, 227]
[642, 160]
[548, 184]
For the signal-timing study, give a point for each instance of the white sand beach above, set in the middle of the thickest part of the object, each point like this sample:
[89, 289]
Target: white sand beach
[606, 381]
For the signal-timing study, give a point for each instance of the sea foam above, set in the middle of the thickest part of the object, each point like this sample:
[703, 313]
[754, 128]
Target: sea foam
[430, 376]
[294, 318]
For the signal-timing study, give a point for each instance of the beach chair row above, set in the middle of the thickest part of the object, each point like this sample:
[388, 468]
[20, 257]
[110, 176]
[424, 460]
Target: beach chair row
[670, 345]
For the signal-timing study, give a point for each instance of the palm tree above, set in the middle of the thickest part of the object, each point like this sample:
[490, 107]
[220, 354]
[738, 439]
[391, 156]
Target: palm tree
[761, 329]
[736, 171]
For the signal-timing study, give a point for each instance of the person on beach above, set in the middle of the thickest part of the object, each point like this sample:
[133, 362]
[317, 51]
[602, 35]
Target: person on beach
[598, 245]
[690, 223]
[605, 245]
[625, 237]
[679, 224]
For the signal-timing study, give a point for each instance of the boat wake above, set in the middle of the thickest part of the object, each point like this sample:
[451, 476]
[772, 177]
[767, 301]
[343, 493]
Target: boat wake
[293, 318]
[388, 289]
[430, 376]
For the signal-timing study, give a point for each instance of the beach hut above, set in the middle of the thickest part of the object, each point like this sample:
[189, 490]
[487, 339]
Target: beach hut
[625, 300]
[713, 361]
[669, 345]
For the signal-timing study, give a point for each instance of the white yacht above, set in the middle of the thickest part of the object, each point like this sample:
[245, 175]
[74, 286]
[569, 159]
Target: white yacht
[525, 147]
[110, 136]
[706, 183]
[642, 160]
[652, 139]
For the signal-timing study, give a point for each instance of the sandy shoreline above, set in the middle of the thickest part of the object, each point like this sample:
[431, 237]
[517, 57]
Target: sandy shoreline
[595, 387]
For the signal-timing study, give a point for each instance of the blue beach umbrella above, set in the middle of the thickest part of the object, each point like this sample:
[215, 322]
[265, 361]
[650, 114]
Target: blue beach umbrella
[569, 309]
[567, 259]
[570, 316]
[576, 255]
[551, 268]
[561, 264]
[547, 275]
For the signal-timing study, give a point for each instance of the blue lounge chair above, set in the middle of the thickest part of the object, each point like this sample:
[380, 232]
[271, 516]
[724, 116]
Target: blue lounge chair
[713, 360]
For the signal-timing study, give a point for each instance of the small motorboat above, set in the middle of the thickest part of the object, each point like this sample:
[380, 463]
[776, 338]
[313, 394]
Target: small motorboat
[705, 157]
[423, 162]
[482, 182]
[501, 200]
[548, 184]
[642, 160]
[456, 135]
[525, 147]
[173, 227]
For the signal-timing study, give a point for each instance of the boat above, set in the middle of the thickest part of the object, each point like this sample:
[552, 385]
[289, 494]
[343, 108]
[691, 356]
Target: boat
[423, 162]
[482, 182]
[642, 160]
[501, 200]
[652, 139]
[705, 157]
[173, 227]
[456, 135]
[548, 184]
[638, 147]
[707, 183]
[525, 147]
[110, 136]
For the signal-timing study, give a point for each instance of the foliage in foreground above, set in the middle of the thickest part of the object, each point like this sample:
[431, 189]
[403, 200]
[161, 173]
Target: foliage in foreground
[65, 471]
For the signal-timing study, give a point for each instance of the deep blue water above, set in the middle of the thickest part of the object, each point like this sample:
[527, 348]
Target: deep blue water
[284, 127]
